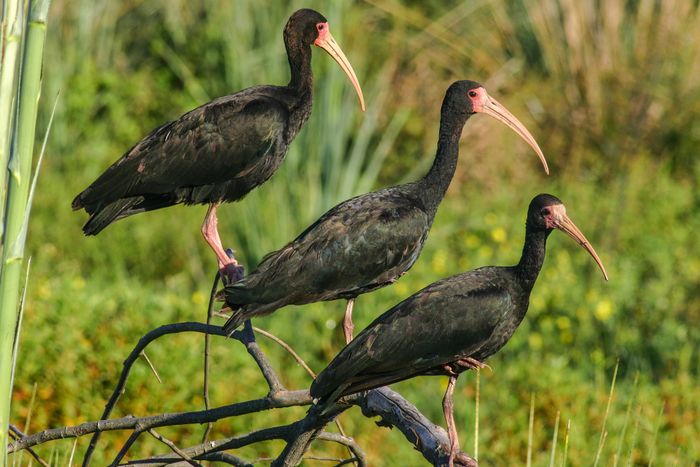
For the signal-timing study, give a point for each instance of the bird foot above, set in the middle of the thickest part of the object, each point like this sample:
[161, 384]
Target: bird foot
[230, 271]
[456, 367]
[464, 460]
[472, 364]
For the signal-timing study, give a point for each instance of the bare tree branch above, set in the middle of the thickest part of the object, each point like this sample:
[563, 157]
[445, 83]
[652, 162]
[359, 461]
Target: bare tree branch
[350, 443]
[138, 429]
[300, 361]
[175, 462]
[430, 439]
[131, 359]
[272, 401]
[18, 434]
[248, 338]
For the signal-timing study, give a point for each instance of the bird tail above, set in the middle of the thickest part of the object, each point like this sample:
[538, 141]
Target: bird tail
[102, 217]
[235, 320]
[327, 406]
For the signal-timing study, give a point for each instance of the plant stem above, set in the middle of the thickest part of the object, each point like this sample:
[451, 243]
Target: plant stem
[19, 166]
[12, 30]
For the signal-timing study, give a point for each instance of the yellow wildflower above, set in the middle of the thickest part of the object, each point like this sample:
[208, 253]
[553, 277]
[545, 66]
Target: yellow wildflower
[499, 235]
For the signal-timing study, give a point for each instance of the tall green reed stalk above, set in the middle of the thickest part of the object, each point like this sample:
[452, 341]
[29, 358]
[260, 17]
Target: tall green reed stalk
[18, 166]
[11, 43]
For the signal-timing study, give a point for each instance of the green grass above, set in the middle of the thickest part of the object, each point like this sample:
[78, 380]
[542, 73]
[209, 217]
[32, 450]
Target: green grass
[624, 166]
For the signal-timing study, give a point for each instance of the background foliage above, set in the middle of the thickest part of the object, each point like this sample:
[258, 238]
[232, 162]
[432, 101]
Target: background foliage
[609, 89]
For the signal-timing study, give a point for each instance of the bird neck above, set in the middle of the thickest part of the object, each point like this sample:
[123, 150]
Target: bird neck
[533, 256]
[299, 56]
[434, 184]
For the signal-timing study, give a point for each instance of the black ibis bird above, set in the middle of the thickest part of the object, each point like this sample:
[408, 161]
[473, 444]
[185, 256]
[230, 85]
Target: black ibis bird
[452, 325]
[368, 241]
[219, 151]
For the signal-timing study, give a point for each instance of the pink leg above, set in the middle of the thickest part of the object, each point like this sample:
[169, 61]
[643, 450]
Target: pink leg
[348, 326]
[227, 266]
[448, 410]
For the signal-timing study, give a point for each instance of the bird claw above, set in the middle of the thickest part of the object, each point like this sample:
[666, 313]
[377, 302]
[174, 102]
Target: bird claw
[231, 272]
[468, 363]
[472, 364]
[464, 460]
[449, 370]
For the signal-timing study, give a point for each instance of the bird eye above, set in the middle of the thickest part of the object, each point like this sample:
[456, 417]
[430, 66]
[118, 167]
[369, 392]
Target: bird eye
[545, 211]
[473, 93]
[320, 26]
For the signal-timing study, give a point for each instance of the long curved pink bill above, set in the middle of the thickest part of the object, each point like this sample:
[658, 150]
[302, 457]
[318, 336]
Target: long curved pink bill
[329, 44]
[567, 225]
[491, 107]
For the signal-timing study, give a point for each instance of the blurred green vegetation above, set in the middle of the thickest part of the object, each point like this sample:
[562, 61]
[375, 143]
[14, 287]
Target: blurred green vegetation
[610, 90]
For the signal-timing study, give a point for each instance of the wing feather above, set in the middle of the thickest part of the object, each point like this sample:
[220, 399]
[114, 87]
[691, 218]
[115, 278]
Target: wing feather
[211, 144]
[360, 244]
[449, 319]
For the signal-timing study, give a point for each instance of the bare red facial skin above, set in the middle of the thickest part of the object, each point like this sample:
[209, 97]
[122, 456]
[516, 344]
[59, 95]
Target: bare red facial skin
[552, 215]
[323, 31]
[479, 98]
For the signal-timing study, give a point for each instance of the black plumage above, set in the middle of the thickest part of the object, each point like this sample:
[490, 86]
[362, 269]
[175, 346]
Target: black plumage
[219, 151]
[451, 325]
[368, 241]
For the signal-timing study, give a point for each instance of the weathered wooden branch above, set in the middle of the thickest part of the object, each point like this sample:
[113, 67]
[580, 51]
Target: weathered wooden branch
[16, 433]
[392, 409]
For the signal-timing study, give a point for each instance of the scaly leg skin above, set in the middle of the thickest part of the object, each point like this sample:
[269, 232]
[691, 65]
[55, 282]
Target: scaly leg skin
[227, 265]
[448, 410]
[348, 326]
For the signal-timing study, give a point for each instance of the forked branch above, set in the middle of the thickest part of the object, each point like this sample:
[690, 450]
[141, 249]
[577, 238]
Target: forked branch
[391, 408]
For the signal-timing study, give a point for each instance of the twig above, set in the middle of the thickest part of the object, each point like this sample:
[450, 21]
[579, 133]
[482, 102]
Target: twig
[301, 362]
[346, 462]
[138, 429]
[202, 451]
[173, 461]
[207, 339]
[286, 347]
[272, 401]
[128, 363]
[151, 366]
[355, 449]
[174, 448]
[19, 434]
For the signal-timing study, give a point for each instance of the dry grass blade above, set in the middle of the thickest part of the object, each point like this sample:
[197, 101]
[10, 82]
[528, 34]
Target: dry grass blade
[530, 430]
[288, 348]
[628, 412]
[554, 440]
[565, 457]
[300, 361]
[654, 440]
[603, 432]
[72, 453]
[635, 432]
